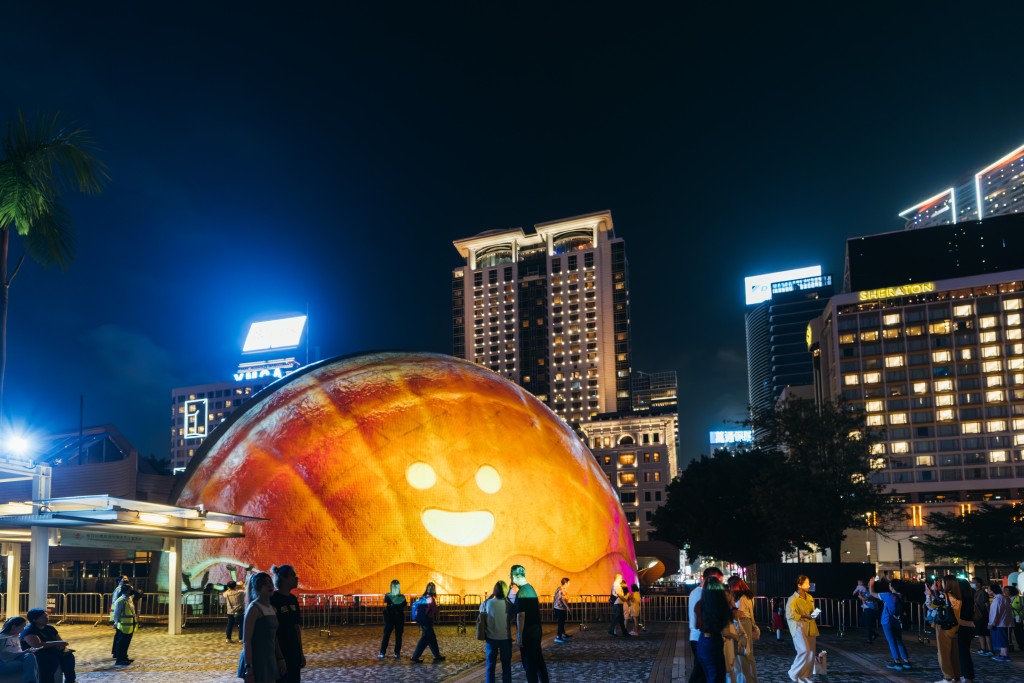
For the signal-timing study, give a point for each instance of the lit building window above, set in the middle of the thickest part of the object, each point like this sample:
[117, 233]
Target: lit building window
[988, 337]
[996, 426]
[994, 381]
[1018, 378]
[992, 366]
[873, 406]
[925, 461]
[915, 331]
[990, 352]
[944, 400]
[894, 361]
[877, 449]
[900, 447]
[1015, 364]
[942, 356]
[627, 459]
[871, 335]
[875, 420]
[995, 396]
[1013, 320]
[966, 354]
[626, 478]
[898, 418]
[920, 387]
[872, 377]
[944, 415]
[1018, 440]
[941, 327]
[891, 333]
[851, 380]
[997, 456]
[987, 322]
[1018, 425]
[971, 428]
[847, 338]
[962, 310]
[944, 384]
[891, 319]
[1011, 305]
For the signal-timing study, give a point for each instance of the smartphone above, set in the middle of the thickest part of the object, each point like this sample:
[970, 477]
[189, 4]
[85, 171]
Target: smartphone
[816, 612]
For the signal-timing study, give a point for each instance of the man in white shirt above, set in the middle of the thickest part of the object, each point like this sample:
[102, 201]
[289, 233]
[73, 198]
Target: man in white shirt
[697, 675]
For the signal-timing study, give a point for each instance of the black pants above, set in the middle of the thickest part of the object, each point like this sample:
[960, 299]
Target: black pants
[388, 628]
[870, 618]
[113, 645]
[1018, 634]
[232, 620]
[964, 636]
[533, 660]
[697, 673]
[48, 660]
[560, 615]
[427, 639]
[618, 619]
[121, 643]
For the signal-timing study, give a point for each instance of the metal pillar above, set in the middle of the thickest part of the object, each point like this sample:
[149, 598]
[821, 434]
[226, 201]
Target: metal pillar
[172, 546]
[13, 578]
[39, 551]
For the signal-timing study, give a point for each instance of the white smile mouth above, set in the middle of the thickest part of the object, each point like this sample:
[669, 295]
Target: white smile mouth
[459, 528]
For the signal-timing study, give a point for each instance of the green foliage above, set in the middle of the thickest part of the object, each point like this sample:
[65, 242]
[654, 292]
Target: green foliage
[990, 535]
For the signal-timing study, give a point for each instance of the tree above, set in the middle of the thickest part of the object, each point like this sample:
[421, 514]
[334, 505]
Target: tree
[829, 448]
[989, 535]
[39, 163]
[731, 506]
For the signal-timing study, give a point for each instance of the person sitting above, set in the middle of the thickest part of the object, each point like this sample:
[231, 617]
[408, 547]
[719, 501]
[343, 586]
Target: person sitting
[52, 652]
[12, 658]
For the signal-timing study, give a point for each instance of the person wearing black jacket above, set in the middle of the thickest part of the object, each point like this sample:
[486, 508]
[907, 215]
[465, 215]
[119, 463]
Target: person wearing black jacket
[394, 619]
[715, 613]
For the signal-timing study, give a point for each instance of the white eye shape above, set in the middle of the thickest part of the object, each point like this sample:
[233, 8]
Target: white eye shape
[420, 475]
[488, 479]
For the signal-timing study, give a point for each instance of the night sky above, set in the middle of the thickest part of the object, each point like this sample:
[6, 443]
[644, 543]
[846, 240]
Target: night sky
[269, 157]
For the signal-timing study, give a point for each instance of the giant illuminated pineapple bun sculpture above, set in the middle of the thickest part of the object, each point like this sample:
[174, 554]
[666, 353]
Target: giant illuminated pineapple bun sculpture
[416, 467]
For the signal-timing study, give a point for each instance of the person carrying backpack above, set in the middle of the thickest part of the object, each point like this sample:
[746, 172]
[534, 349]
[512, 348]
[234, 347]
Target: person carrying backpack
[1017, 608]
[424, 612]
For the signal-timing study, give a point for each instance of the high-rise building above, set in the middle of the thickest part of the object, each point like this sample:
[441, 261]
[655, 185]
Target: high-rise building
[549, 311]
[996, 190]
[777, 354]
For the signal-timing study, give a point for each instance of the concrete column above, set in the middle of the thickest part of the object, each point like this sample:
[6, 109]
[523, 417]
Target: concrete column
[172, 546]
[13, 579]
[39, 551]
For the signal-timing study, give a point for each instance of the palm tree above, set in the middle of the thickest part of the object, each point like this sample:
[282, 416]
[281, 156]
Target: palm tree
[40, 161]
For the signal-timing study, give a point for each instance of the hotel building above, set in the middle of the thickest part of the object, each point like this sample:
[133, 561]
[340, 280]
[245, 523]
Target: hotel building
[549, 311]
[996, 190]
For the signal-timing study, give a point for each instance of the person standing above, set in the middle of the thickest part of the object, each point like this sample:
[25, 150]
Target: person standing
[498, 614]
[892, 624]
[745, 670]
[713, 614]
[121, 581]
[425, 619]
[13, 659]
[869, 612]
[289, 621]
[618, 598]
[801, 615]
[697, 675]
[1017, 607]
[528, 629]
[394, 619]
[560, 605]
[261, 660]
[125, 623]
[234, 606]
[52, 652]
[1000, 623]
[981, 618]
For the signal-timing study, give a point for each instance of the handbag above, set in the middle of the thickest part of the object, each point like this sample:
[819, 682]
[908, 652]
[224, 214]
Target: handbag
[821, 664]
[481, 627]
[730, 632]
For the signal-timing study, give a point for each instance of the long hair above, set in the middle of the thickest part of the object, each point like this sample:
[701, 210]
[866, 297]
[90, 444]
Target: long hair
[16, 622]
[252, 584]
[430, 590]
[499, 590]
[739, 587]
[952, 587]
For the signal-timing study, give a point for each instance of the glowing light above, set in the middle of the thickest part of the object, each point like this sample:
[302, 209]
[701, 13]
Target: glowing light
[926, 203]
[18, 445]
[154, 519]
[216, 526]
[459, 528]
[274, 334]
[488, 479]
[420, 475]
[759, 287]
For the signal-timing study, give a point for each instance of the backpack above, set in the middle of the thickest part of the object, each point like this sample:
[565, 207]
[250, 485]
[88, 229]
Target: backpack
[944, 617]
[419, 611]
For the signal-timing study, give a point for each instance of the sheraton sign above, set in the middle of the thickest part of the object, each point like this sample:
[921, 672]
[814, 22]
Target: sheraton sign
[892, 292]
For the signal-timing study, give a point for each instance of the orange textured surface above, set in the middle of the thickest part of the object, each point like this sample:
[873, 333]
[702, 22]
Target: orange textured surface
[333, 457]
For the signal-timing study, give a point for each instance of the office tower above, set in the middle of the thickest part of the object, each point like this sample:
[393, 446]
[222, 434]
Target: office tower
[550, 311]
[777, 354]
[996, 190]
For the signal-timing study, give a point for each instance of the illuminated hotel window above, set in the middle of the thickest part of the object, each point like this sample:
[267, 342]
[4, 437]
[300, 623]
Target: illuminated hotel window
[944, 415]
[851, 380]
[944, 400]
[898, 418]
[995, 396]
[847, 338]
[891, 319]
[894, 361]
[1011, 305]
[971, 428]
[990, 352]
[943, 385]
[994, 381]
[1015, 364]
[871, 335]
[1018, 440]
[872, 377]
[900, 447]
[627, 478]
[925, 461]
[891, 333]
[1018, 425]
[992, 366]
[995, 426]
[627, 459]
[942, 356]
[915, 331]
[1018, 378]
[989, 337]
[873, 406]
[966, 354]
[875, 420]
[962, 310]
[941, 327]
[1016, 349]
[987, 321]
[1013, 320]
[878, 449]
[997, 456]
[920, 387]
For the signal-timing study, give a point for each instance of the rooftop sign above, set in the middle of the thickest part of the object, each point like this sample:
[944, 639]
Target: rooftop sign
[759, 287]
[284, 333]
[893, 292]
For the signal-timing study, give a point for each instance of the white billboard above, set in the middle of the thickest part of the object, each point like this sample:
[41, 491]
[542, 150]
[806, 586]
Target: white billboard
[759, 287]
[732, 436]
[283, 333]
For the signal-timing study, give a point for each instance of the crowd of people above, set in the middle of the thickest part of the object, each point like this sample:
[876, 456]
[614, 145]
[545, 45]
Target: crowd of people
[722, 630]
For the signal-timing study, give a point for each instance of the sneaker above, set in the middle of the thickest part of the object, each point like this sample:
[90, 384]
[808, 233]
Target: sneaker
[228, 640]
[440, 658]
[985, 653]
[416, 660]
[906, 666]
[1000, 658]
[559, 639]
[380, 655]
[633, 633]
[126, 663]
[894, 666]
[398, 656]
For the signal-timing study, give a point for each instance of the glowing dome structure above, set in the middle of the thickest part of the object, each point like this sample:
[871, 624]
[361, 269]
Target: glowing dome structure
[409, 466]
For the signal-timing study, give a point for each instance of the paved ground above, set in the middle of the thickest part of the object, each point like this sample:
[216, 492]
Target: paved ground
[349, 654]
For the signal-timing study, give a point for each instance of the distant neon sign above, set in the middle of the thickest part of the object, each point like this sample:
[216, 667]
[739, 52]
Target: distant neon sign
[892, 292]
[732, 436]
[196, 414]
[759, 287]
[274, 334]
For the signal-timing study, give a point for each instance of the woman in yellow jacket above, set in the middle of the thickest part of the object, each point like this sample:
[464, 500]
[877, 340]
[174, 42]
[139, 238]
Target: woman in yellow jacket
[801, 615]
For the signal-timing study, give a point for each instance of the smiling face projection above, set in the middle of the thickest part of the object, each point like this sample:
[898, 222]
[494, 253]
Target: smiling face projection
[412, 466]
